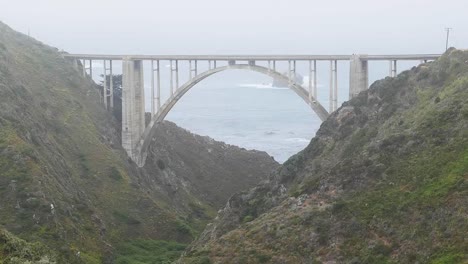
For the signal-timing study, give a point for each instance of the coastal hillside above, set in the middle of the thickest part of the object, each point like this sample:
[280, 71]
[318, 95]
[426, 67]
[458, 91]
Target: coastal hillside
[69, 193]
[383, 181]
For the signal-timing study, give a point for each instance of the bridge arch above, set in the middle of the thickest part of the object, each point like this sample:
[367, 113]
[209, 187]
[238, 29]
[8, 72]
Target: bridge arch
[150, 129]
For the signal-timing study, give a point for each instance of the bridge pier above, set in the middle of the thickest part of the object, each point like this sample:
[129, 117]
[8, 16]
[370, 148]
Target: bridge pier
[358, 76]
[104, 84]
[333, 92]
[393, 68]
[91, 69]
[133, 107]
[312, 80]
[111, 84]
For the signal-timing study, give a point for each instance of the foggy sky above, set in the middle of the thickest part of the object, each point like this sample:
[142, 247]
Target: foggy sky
[241, 26]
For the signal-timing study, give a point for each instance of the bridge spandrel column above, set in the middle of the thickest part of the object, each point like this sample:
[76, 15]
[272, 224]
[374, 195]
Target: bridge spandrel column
[133, 106]
[358, 76]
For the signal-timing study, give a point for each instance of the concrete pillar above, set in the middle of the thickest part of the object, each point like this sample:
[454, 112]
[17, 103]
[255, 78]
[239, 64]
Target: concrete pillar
[335, 88]
[84, 68]
[152, 89]
[177, 74]
[91, 69]
[358, 75]
[393, 68]
[294, 70]
[315, 80]
[310, 81]
[104, 83]
[133, 106]
[158, 87]
[330, 94]
[171, 83]
[111, 84]
[190, 70]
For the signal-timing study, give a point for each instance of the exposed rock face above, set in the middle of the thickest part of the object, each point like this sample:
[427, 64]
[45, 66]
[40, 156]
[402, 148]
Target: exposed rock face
[66, 182]
[383, 181]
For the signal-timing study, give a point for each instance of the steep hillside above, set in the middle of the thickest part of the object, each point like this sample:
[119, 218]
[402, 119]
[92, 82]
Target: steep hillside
[384, 181]
[211, 170]
[66, 183]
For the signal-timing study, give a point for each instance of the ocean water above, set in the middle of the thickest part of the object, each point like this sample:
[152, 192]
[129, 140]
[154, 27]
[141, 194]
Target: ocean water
[250, 115]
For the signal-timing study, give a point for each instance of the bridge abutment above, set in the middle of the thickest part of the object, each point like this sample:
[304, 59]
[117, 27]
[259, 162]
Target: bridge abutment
[133, 107]
[359, 75]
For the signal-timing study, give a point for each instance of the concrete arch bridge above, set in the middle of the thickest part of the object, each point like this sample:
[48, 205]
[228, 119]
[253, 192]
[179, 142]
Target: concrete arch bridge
[136, 136]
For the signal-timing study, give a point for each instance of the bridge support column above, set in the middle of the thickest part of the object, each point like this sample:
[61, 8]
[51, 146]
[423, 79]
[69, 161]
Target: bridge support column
[104, 84]
[84, 68]
[133, 107]
[393, 68]
[333, 96]
[358, 76]
[91, 69]
[111, 84]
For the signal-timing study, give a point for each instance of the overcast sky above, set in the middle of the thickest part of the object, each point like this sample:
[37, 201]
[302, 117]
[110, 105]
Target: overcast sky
[241, 26]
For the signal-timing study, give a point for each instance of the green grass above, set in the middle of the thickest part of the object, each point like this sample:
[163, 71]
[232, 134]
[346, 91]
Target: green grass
[449, 258]
[16, 250]
[185, 228]
[141, 251]
[417, 186]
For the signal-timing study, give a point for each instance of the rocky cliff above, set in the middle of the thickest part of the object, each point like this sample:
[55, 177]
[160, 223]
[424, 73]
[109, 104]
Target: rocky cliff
[383, 181]
[68, 192]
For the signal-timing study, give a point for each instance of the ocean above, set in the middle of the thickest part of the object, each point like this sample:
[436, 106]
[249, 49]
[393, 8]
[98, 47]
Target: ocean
[249, 115]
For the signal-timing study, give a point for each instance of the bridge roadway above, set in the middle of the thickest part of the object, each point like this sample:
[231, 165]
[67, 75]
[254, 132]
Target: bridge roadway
[252, 57]
[136, 136]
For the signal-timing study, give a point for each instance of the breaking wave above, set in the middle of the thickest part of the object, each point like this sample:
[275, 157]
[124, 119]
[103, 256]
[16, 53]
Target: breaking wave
[262, 86]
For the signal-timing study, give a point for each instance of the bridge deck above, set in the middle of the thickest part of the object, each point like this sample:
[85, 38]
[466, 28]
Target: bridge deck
[251, 57]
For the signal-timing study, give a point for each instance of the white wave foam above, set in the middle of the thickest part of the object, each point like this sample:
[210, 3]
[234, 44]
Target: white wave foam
[298, 140]
[262, 86]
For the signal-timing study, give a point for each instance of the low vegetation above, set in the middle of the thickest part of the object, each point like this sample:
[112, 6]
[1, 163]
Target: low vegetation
[384, 181]
[142, 251]
[66, 182]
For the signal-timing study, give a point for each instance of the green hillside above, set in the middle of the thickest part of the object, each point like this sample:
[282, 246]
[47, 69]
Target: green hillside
[383, 181]
[67, 185]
